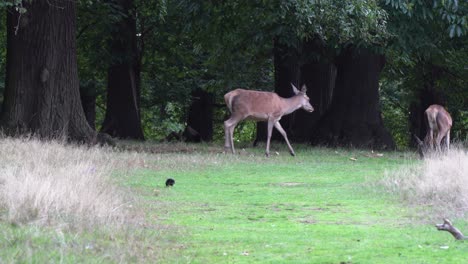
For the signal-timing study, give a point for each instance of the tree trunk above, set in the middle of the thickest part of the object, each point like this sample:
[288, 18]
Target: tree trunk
[88, 101]
[320, 80]
[354, 117]
[303, 66]
[42, 89]
[122, 117]
[200, 117]
[426, 96]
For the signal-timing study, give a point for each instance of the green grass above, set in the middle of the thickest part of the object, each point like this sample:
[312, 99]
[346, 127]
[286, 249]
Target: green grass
[318, 207]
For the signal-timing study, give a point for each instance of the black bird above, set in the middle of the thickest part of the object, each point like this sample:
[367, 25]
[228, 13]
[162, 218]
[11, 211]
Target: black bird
[170, 182]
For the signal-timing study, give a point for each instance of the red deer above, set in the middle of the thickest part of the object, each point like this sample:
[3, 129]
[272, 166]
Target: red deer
[439, 123]
[262, 106]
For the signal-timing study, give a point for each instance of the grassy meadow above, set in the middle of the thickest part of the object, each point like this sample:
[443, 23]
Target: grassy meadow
[69, 204]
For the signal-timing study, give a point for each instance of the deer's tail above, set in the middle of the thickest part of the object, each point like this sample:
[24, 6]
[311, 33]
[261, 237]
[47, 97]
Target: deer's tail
[228, 98]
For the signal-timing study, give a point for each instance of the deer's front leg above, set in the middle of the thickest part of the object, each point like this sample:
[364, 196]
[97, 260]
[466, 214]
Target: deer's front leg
[283, 133]
[269, 130]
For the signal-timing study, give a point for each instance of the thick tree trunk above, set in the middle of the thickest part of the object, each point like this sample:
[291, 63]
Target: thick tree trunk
[200, 117]
[354, 117]
[122, 117]
[426, 96]
[301, 67]
[88, 101]
[320, 80]
[42, 89]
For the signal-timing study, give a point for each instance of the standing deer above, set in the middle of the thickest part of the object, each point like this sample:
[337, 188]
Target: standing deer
[262, 106]
[439, 123]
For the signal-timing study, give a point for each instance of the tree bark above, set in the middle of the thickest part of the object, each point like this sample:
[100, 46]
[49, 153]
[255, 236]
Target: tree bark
[303, 66]
[320, 80]
[447, 226]
[200, 117]
[42, 88]
[354, 118]
[426, 96]
[122, 117]
[88, 101]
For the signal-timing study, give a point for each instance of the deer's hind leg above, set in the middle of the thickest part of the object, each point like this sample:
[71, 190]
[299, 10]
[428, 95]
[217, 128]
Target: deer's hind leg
[444, 140]
[431, 138]
[438, 140]
[229, 126]
[227, 139]
[447, 140]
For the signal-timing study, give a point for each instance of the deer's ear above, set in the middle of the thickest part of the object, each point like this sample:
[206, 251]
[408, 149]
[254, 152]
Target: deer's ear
[304, 88]
[295, 90]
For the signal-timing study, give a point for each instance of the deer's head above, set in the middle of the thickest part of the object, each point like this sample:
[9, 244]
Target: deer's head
[422, 146]
[305, 100]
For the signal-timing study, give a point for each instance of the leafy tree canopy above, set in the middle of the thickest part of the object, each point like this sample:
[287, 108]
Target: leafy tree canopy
[452, 13]
[234, 27]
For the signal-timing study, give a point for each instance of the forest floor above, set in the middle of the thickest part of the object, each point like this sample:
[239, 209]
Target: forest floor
[322, 206]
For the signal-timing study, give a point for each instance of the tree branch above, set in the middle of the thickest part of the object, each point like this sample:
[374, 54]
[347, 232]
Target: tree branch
[447, 226]
[84, 28]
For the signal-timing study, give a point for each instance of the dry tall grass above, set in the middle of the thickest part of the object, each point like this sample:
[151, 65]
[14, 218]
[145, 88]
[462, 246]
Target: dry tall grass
[438, 186]
[50, 183]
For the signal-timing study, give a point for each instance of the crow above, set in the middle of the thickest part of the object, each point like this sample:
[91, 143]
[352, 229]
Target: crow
[170, 182]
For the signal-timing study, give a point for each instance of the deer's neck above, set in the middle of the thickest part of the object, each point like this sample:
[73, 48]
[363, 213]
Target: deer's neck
[291, 104]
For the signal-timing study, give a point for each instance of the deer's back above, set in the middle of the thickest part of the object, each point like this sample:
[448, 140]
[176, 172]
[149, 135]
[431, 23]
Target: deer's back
[255, 104]
[438, 117]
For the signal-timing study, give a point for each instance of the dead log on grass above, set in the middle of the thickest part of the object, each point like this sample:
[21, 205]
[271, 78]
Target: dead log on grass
[447, 226]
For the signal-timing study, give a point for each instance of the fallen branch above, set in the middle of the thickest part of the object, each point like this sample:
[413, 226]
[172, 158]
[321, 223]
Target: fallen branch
[447, 226]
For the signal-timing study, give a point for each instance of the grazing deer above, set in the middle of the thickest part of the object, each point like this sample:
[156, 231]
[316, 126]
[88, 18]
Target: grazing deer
[439, 123]
[262, 106]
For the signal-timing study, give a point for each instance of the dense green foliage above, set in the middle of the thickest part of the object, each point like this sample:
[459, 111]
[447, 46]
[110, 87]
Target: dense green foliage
[322, 206]
[426, 57]
[216, 46]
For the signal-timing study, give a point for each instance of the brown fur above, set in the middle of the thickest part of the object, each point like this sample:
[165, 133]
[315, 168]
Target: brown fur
[254, 105]
[262, 106]
[439, 123]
